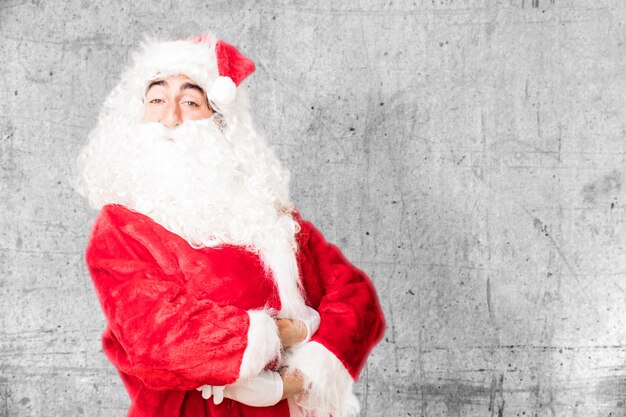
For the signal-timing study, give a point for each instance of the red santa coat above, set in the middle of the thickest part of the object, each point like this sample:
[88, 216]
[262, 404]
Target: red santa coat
[180, 317]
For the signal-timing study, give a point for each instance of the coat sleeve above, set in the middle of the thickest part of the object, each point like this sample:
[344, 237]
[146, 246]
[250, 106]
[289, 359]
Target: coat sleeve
[351, 324]
[166, 336]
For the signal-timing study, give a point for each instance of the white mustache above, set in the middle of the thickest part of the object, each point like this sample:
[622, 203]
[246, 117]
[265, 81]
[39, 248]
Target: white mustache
[190, 134]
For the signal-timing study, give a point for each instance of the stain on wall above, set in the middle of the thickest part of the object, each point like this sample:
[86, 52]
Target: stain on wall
[606, 187]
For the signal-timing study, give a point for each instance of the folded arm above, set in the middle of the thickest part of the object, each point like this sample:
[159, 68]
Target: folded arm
[351, 324]
[171, 338]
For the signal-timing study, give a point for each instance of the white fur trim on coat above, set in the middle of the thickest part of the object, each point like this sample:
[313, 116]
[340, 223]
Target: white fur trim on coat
[327, 382]
[263, 344]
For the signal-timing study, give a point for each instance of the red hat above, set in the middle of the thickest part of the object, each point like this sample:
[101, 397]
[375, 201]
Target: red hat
[218, 67]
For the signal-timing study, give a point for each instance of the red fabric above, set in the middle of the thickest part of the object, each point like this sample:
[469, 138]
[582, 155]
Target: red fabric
[176, 316]
[351, 322]
[232, 63]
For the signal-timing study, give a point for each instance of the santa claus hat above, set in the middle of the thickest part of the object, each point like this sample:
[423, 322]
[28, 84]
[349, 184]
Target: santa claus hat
[216, 66]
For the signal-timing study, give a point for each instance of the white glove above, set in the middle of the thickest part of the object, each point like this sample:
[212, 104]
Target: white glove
[312, 323]
[215, 390]
[264, 390]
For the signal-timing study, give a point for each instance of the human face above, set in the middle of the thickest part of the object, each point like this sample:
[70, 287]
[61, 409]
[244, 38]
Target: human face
[172, 100]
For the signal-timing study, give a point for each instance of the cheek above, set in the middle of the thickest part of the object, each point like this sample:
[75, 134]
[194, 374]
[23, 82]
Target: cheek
[150, 114]
[204, 113]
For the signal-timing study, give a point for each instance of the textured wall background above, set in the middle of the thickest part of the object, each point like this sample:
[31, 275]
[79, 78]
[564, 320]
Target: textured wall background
[468, 154]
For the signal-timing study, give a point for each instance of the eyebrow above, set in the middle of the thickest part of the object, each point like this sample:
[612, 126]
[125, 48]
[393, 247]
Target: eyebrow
[185, 86]
[192, 86]
[153, 83]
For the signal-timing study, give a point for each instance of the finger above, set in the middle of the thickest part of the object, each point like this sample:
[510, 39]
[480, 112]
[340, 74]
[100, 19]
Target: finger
[218, 395]
[206, 392]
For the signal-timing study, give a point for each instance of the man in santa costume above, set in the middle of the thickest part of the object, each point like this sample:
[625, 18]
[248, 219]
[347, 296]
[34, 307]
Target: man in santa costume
[220, 299]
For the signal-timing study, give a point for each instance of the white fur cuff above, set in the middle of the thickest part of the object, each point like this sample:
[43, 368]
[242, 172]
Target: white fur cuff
[327, 381]
[263, 344]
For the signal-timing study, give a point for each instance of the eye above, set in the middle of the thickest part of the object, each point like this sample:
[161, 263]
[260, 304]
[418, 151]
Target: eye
[156, 101]
[190, 103]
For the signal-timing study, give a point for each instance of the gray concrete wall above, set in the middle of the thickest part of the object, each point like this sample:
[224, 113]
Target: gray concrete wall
[468, 154]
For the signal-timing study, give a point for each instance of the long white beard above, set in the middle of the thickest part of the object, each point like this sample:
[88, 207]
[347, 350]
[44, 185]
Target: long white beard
[207, 186]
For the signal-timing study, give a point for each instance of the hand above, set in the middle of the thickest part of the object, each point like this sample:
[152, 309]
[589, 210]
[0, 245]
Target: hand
[264, 390]
[290, 332]
[293, 332]
[293, 384]
[216, 391]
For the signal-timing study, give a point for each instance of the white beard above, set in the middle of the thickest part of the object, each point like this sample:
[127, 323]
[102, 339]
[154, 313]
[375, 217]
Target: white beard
[205, 185]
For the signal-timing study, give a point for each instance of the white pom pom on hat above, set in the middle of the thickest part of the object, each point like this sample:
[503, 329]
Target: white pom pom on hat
[223, 90]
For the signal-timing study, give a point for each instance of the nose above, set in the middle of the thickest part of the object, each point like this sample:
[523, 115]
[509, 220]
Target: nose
[171, 116]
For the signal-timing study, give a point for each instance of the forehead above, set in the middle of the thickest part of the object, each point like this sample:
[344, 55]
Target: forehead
[174, 83]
